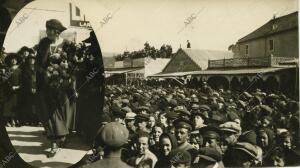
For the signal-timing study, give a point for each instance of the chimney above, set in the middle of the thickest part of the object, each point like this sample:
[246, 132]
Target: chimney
[274, 25]
[188, 44]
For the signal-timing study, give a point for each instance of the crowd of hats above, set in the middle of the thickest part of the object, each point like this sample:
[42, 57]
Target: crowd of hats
[247, 115]
[6, 58]
[68, 62]
[64, 62]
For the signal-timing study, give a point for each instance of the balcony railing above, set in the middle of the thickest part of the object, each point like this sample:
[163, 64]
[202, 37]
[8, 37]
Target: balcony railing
[247, 62]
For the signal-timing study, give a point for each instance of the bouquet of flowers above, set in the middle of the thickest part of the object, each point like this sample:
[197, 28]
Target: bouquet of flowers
[65, 61]
[53, 76]
[61, 69]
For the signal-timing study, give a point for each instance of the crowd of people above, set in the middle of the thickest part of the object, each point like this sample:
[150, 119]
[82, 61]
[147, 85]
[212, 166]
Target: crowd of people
[154, 126]
[59, 88]
[40, 86]
[19, 86]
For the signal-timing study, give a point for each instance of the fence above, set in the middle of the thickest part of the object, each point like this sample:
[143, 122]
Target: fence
[247, 62]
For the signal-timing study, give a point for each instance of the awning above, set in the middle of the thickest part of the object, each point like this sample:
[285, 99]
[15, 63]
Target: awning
[290, 62]
[175, 74]
[138, 71]
[122, 71]
[221, 72]
[118, 71]
[238, 71]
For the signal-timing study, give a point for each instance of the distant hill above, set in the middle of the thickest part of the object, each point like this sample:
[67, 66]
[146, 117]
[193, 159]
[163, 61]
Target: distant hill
[109, 54]
[108, 59]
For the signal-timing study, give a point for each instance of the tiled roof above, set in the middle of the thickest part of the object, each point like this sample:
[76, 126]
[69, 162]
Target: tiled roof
[276, 25]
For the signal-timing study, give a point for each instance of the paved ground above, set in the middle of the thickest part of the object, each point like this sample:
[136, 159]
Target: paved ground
[32, 146]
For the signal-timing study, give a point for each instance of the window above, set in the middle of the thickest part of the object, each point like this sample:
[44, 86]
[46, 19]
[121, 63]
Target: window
[77, 11]
[274, 26]
[247, 50]
[271, 45]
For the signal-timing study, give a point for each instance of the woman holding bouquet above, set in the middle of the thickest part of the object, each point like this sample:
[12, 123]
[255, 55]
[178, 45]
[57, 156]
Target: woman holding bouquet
[50, 111]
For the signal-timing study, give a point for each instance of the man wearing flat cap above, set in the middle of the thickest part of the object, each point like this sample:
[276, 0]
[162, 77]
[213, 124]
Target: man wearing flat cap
[141, 122]
[129, 121]
[180, 158]
[231, 132]
[143, 110]
[50, 116]
[120, 115]
[208, 157]
[245, 155]
[113, 136]
[182, 111]
[211, 137]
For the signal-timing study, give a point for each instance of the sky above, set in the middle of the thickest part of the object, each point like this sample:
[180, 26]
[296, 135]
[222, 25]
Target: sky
[127, 24]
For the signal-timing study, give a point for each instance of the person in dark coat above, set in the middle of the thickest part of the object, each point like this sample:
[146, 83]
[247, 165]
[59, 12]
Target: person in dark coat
[90, 82]
[276, 158]
[50, 115]
[13, 85]
[28, 93]
[3, 78]
[167, 143]
[265, 140]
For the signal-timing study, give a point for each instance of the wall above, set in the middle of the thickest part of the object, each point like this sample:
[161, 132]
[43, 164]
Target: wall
[256, 48]
[285, 45]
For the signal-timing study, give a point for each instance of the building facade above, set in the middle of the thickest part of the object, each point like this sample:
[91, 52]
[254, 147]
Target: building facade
[278, 37]
[271, 44]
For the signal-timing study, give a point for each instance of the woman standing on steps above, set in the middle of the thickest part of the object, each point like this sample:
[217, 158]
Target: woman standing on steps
[51, 113]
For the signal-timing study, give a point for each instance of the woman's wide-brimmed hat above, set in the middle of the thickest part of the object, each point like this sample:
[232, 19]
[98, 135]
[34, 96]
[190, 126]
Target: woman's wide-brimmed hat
[91, 38]
[10, 56]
